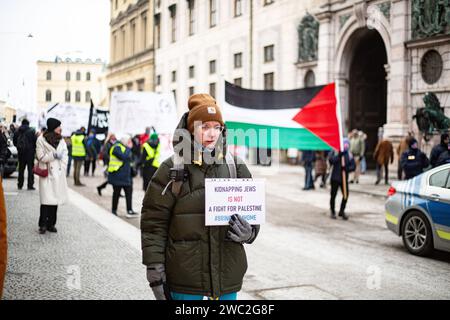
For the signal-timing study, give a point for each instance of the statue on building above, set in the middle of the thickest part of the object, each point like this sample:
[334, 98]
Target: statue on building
[430, 17]
[308, 39]
[431, 118]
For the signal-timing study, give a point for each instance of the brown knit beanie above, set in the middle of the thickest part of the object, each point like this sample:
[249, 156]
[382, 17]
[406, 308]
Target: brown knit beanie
[203, 107]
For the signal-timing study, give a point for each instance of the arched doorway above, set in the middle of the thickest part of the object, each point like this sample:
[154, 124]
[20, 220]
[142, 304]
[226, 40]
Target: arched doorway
[368, 87]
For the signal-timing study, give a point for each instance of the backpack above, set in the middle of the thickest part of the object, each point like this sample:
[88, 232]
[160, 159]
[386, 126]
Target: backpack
[23, 143]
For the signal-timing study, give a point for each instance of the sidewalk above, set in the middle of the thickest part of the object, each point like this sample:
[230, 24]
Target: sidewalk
[94, 255]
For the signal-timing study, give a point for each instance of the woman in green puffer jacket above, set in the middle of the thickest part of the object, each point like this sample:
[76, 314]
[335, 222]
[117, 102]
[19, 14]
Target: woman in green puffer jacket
[186, 259]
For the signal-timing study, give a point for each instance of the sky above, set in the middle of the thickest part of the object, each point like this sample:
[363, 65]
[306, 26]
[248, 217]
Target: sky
[67, 28]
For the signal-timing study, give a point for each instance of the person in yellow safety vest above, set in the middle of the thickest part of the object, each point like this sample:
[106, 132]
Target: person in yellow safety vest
[151, 150]
[119, 174]
[78, 140]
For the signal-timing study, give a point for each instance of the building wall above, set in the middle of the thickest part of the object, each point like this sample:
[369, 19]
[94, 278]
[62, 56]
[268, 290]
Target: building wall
[58, 85]
[274, 24]
[131, 53]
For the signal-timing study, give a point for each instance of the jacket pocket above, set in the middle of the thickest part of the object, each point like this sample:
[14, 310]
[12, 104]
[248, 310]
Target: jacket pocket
[184, 264]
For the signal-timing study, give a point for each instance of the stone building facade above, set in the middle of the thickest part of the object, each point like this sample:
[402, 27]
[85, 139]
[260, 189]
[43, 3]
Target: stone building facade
[71, 81]
[131, 66]
[378, 52]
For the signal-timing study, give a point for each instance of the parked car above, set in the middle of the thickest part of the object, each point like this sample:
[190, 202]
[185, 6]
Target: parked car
[418, 210]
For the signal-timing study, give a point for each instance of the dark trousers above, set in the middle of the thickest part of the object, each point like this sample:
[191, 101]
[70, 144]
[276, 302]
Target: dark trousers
[399, 171]
[386, 173]
[116, 194]
[28, 164]
[147, 174]
[308, 176]
[47, 217]
[103, 185]
[87, 165]
[77, 170]
[69, 164]
[334, 189]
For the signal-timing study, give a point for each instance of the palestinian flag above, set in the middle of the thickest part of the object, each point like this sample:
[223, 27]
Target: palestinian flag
[306, 119]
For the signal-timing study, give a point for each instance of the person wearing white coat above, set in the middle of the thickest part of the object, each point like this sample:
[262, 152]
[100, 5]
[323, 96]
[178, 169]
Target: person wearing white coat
[52, 154]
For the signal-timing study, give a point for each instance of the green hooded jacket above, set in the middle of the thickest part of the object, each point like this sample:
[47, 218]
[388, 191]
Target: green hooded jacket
[198, 259]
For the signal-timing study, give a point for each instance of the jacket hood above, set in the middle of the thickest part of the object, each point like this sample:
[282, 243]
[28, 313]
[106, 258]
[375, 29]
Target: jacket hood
[184, 140]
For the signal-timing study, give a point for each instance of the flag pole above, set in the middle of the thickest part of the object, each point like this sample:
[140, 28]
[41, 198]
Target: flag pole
[341, 140]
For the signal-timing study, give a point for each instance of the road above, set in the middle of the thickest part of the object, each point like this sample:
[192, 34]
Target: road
[301, 253]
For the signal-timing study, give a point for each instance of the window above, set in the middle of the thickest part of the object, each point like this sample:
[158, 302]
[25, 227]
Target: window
[191, 91]
[87, 96]
[174, 92]
[158, 80]
[144, 30]
[439, 179]
[78, 76]
[173, 22]
[124, 41]
[141, 85]
[129, 86]
[212, 67]
[268, 53]
[212, 89]
[174, 76]
[268, 81]
[267, 2]
[237, 60]
[212, 13]
[77, 96]
[157, 31]
[119, 88]
[49, 75]
[114, 51]
[191, 16]
[310, 79]
[48, 96]
[133, 36]
[191, 72]
[237, 8]
[67, 76]
[67, 96]
[238, 82]
[88, 76]
[116, 4]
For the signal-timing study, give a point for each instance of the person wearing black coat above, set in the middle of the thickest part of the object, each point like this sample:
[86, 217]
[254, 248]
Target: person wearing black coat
[413, 161]
[121, 178]
[444, 157]
[308, 159]
[335, 160]
[438, 149]
[25, 141]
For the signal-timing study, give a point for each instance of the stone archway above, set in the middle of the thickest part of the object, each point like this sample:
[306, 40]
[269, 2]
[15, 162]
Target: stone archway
[367, 87]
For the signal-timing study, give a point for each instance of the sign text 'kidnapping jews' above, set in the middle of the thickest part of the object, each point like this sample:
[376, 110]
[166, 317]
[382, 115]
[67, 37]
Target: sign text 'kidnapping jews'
[225, 197]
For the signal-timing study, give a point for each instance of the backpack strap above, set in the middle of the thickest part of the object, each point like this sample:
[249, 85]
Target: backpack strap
[231, 165]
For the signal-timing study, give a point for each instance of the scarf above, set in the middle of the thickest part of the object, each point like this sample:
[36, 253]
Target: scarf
[53, 138]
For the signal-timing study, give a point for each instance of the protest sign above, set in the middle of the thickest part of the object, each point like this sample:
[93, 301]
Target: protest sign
[225, 197]
[132, 112]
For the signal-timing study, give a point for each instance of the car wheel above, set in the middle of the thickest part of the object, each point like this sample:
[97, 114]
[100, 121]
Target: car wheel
[417, 235]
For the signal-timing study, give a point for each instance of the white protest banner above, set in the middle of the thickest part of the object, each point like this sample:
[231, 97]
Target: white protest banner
[72, 118]
[131, 112]
[225, 197]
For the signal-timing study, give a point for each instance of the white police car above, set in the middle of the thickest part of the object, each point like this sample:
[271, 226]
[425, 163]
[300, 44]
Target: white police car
[418, 209]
